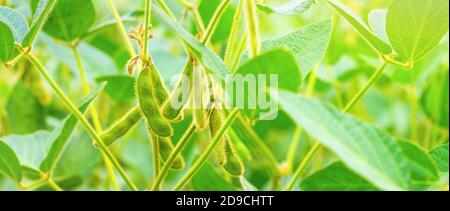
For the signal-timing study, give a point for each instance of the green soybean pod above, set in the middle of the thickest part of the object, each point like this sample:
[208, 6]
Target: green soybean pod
[165, 149]
[121, 127]
[156, 122]
[169, 111]
[234, 165]
[215, 123]
[199, 112]
[159, 88]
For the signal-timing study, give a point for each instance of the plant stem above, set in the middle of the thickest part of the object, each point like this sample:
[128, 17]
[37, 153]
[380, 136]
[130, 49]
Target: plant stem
[185, 4]
[259, 143]
[73, 109]
[121, 27]
[215, 21]
[204, 156]
[53, 184]
[298, 131]
[347, 108]
[155, 152]
[303, 165]
[166, 9]
[233, 34]
[236, 55]
[148, 6]
[366, 87]
[253, 28]
[178, 148]
[198, 20]
[36, 184]
[413, 105]
[95, 117]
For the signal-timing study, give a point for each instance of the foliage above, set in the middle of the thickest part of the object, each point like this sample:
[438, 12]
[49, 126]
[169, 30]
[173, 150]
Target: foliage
[362, 95]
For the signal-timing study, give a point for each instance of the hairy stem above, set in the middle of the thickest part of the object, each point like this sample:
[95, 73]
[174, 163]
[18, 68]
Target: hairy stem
[233, 34]
[148, 6]
[253, 28]
[74, 110]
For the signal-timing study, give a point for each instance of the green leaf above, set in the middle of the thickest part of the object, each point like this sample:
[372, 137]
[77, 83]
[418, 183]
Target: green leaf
[435, 99]
[361, 27]
[120, 88]
[377, 22]
[9, 164]
[294, 7]
[30, 149]
[16, 22]
[61, 135]
[423, 169]
[23, 105]
[336, 177]
[307, 44]
[367, 151]
[41, 13]
[440, 156]
[215, 181]
[70, 19]
[41, 150]
[6, 42]
[415, 27]
[206, 56]
[277, 62]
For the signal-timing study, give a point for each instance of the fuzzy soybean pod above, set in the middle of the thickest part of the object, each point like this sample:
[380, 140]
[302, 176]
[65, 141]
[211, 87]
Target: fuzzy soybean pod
[234, 165]
[165, 149]
[198, 89]
[156, 122]
[121, 127]
[170, 111]
[159, 88]
[215, 123]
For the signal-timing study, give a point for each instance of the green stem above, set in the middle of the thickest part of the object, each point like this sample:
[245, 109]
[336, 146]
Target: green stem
[53, 184]
[74, 110]
[349, 106]
[253, 28]
[198, 20]
[185, 4]
[94, 115]
[166, 9]
[205, 155]
[303, 166]
[366, 87]
[414, 108]
[260, 145]
[215, 21]
[148, 6]
[121, 27]
[236, 55]
[298, 131]
[36, 184]
[178, 149]
[233, 34]
[155, 152]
